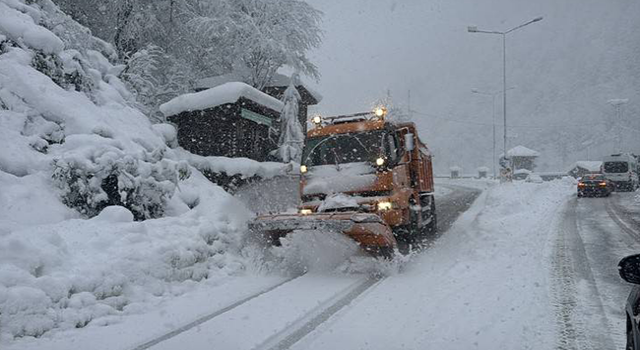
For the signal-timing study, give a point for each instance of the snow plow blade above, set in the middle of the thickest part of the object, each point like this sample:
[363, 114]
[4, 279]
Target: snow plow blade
[369, 230]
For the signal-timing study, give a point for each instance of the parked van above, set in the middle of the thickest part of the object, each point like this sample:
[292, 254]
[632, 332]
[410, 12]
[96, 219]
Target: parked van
[622, 170]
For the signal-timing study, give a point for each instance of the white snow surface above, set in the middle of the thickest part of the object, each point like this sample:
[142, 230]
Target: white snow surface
[329, 179]
[492, 267]
[522, 171]
[277, 79]
[521, 151]
[589, 165]
[219, 95]
[337, 201]
[233, 166]
[17, 22]
[59, 269]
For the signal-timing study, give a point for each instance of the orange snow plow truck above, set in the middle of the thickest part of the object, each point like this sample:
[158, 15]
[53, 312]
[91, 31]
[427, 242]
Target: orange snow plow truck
[364, 176]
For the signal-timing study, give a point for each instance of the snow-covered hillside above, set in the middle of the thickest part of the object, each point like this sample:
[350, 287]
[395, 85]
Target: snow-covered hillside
[78, 163]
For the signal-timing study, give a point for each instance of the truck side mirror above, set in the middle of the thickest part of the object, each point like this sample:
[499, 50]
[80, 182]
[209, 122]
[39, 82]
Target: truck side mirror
[408, 142]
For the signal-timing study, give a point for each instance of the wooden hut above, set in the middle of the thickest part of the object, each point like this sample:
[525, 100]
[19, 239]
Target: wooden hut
[230, 120]
[522, 158]
[275, 88]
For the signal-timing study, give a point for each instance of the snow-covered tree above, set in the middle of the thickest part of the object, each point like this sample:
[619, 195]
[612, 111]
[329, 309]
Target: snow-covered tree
[260, 35]
[139, 75]
[155, 77]
[291, 135]
[167, 44]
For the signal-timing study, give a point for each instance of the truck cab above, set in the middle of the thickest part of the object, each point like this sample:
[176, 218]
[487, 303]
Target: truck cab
[370, 165]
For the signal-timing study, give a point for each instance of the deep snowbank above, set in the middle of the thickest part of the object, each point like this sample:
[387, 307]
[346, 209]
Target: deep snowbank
[73, 154]
[66, 274]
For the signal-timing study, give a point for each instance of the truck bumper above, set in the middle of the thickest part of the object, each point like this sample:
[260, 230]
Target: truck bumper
[369, 230]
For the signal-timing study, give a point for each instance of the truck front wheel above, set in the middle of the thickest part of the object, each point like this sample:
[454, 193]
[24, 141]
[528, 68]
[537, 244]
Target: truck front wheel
[409, 233]
[431, 229]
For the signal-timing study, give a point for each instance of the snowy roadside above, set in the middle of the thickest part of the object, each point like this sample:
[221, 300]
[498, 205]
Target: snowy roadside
[78, 163]
[481, 184]
[486, 284]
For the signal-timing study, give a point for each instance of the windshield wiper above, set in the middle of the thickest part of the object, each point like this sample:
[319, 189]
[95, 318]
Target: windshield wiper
[335, 155]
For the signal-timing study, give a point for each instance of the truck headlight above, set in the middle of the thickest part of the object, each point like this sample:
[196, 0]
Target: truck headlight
[385, 205]
[380, 161]
[303, 169]
[305, 211]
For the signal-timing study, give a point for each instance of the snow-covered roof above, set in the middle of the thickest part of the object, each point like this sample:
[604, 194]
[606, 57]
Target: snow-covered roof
[283, 80]
[589, 165]
[210, 82]
[483, 168]
[276, 80]
[219, 95]
[521, 151]
[455, 168]
[522, 171]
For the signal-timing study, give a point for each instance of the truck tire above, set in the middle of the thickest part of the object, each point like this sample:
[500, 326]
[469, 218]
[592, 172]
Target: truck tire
[409, 233]
[430, 230]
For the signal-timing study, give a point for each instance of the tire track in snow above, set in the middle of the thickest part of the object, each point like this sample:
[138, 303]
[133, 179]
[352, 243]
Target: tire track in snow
[210, 316]
[573, 276]
[563, 292]
[625, 223]
[287, 338]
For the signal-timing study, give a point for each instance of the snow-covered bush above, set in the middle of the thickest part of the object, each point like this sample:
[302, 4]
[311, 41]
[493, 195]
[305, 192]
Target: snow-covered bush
[142, 186]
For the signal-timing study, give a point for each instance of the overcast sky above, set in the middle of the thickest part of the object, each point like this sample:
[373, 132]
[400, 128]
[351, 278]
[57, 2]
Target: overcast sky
[565, 67]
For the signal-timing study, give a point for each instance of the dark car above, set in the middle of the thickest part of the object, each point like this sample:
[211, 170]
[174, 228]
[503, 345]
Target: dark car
[594, 185]
[629, 269]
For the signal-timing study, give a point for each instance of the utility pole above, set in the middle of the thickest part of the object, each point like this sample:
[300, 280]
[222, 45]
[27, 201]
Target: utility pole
[409, 105]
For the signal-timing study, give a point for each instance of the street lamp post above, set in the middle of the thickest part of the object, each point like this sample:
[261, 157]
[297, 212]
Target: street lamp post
[473, 29]
[493, 120]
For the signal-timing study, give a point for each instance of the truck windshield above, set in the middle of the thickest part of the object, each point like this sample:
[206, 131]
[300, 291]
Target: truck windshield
[616, 167]
[344, 148]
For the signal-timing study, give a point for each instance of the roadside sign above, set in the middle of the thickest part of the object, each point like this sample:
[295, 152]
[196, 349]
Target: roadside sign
[255, 117]
[504, 162]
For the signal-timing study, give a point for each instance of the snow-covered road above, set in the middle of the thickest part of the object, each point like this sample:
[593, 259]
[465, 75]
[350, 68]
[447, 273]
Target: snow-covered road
[595, 234]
